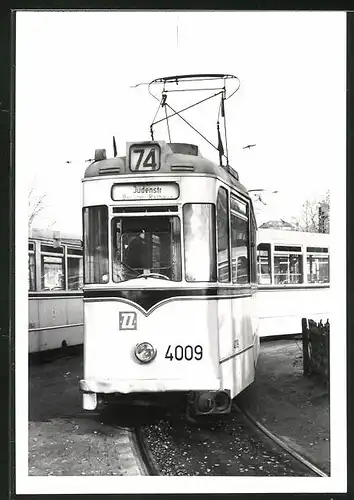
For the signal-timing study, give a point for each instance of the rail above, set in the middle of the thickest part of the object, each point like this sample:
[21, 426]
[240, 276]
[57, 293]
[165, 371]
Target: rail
[282, 444]
[144, 452]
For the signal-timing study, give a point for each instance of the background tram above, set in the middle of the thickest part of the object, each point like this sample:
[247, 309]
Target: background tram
[55, 280]
[292, 272]
[293, 278]
[184, 318]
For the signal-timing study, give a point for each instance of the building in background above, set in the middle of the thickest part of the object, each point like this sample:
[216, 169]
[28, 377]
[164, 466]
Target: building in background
[279, 224]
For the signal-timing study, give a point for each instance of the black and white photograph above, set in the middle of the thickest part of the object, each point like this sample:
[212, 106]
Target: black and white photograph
[180, 222]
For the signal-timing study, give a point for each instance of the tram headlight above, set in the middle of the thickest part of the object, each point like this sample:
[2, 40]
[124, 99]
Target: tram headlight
[145, 352]
[105, 278]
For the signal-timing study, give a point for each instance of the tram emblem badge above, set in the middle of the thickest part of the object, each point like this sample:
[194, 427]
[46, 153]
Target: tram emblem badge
[127, 320]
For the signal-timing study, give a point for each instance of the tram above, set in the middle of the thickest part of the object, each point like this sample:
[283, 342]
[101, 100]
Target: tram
[292, 273]
[169, 274]
[55, 279]
[293, 280]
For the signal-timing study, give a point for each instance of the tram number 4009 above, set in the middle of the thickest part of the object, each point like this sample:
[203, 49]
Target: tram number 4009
[187, 352]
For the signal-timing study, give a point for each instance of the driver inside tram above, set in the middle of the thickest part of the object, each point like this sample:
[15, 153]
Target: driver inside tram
[136, 254]
[141, 252]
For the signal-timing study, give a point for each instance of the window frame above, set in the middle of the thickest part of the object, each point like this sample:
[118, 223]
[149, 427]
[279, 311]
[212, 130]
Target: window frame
[269, 263]
[323, 254]
[253, 246]
[213, 247]
[288, 255]
[85, 236]
[229, 273]
[74, 256]
[245, 217]
[167, 215]
[57, 255]
[32, 253]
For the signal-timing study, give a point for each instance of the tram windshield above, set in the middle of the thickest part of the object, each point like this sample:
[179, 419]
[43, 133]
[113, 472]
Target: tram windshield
[149, 246]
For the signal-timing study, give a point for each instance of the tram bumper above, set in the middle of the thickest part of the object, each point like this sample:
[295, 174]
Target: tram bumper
[205, 397]
[146, 385]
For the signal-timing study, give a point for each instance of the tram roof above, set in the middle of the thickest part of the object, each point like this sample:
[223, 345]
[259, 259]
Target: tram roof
[47, 234]
[281, 236]
[179, 159]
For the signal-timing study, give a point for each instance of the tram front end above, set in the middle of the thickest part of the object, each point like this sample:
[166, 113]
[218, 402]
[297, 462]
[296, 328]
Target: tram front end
[153, 283]
[138, 356]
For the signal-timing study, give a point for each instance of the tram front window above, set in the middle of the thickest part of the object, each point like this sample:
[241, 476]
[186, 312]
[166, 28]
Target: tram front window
[199, 242]
[149, 246]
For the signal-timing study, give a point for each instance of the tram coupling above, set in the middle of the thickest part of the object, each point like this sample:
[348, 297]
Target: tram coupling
[209, 402]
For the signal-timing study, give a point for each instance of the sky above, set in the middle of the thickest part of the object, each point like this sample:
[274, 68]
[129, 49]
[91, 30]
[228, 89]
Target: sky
[74, 77]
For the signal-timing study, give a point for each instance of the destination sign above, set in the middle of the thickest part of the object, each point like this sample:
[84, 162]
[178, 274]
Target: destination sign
[145, 191]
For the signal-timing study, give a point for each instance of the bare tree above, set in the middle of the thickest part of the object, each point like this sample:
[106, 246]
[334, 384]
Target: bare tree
[324, 213]
[35, 205]
[314, 217]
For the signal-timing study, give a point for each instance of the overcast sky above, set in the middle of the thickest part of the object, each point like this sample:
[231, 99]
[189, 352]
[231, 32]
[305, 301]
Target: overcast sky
[74, 72]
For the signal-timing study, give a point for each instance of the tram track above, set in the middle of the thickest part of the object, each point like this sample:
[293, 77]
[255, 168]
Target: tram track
[147, 461]
[238, 445]
[126, 419]
[313, 468]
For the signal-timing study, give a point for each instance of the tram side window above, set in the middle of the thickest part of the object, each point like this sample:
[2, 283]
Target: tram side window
[317, 265]
[31, 268]
[222, 214]
[199, 242]
[264, 264]
[288, 265]
[74, 270]
[52, 268]
[239, 242]
[253, 249]
[96, 244]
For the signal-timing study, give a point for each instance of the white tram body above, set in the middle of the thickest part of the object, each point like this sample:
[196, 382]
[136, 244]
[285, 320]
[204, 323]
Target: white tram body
[293, 280]
[55, 316]
[186, 320]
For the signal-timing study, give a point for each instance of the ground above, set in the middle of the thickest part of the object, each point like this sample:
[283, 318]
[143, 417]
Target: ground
[289, 404]
[65, 440]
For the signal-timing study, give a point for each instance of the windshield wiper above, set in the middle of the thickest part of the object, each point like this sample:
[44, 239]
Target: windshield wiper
[153, 275]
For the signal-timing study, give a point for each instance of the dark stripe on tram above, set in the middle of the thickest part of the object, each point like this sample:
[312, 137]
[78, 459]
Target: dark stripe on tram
[149, 298]
[53, 295]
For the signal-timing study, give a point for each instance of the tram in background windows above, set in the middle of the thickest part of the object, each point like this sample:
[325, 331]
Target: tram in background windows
[294, 279]
[55, 279]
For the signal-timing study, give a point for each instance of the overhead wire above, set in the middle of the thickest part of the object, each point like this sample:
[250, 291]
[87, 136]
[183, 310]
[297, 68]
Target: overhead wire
[185, 109]
[186, 121]
[224, 116]
[163, 103]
